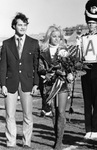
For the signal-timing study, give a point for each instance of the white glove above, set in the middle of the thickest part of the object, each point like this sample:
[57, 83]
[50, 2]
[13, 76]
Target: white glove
[70, 77]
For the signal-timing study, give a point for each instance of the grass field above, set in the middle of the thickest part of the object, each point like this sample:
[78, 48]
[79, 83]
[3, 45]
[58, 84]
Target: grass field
[43, 134]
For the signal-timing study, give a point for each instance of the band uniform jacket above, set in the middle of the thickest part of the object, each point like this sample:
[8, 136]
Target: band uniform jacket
[93, 66]
[14, 70]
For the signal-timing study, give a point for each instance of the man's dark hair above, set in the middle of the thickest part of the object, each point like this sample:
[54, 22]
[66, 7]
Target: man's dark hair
[19, 16]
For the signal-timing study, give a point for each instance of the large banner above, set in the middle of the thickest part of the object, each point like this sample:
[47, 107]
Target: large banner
[89, 50]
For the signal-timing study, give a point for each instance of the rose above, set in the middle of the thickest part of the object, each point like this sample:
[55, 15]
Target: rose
[63, 53]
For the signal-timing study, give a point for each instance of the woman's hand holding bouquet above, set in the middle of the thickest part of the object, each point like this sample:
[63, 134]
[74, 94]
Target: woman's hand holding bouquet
[70, 77]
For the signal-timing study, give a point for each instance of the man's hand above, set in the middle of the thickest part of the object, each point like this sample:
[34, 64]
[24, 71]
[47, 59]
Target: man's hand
[4, 90]
[35, 90]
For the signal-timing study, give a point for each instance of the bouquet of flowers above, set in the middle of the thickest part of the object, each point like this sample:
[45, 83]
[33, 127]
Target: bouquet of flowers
[66, 67]
[70, 60]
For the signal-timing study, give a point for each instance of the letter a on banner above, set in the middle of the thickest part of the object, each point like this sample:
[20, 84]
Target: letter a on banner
[90, 47]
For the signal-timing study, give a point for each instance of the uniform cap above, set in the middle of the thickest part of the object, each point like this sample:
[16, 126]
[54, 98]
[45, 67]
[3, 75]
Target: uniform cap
[91, 10]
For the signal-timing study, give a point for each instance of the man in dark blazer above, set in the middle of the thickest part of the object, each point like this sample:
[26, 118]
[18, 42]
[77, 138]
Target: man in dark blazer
[18, 73]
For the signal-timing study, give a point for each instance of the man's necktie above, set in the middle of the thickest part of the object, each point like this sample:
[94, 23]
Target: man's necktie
[19, 46]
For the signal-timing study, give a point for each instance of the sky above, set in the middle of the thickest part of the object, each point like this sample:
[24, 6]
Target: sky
[41, 14]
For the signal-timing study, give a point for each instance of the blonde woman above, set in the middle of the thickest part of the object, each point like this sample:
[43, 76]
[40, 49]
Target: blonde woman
[52, 40]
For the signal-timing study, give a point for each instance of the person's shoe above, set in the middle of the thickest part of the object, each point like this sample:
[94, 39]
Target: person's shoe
[83, 142]
[48, 113]
[88, 135]
[94, 136]
[26, 147]
[86, 139]
[42, 113]
[10, 146]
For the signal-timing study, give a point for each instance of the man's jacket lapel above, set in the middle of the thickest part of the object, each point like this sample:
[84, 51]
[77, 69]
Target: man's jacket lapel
[13, 47]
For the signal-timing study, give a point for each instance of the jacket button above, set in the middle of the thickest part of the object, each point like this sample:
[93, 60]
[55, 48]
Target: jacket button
[20, 71]
[20, 63]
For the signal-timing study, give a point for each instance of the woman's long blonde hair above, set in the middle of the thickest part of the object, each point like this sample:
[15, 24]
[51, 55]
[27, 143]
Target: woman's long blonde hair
[46, 41]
